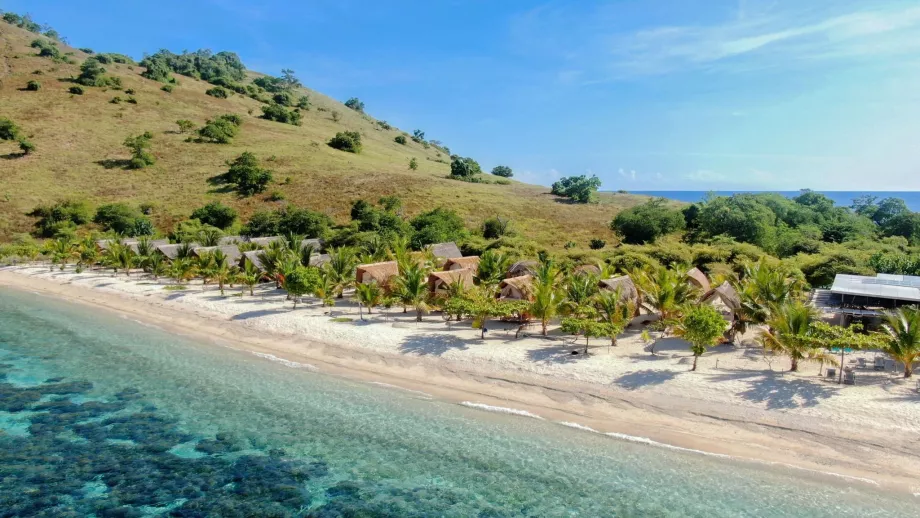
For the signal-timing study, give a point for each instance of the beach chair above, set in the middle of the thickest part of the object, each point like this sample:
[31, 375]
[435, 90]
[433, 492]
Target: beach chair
[861, 363]
[879, 363]
[849, 377]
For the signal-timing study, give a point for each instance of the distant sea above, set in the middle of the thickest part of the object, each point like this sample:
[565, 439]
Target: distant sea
[841, 198]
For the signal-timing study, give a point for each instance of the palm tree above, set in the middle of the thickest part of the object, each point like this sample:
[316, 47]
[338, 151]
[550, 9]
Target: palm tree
[790, 333]
[210, 236]
[546, 301]
[272, 258]
[205, 265]
[375, 249]
[293, 241]
[765, 287]
[400, 251]
[62, 250]
[249, 275]
[183, 269]
[87, 252]
[342, 263]
[157, 265]
[224, 274]
[325, 287]
[122, 256]
[579, 291]
[144, 248]
[614, 311]
[492, 269]
[667, 292]
[369, 295]
[412, 288]
[903, 330]
[184, 251]
[306, 254]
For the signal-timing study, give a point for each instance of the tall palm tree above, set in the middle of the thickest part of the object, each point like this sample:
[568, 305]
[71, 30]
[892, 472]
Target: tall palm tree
[325, 288]
[412, 288]
[205, 265]
[579, 291]
[400, 251]
[790, 333]
[249, 275]
[183, 269]
[224, 274]
[765, 287]
[492, 269]
[342, 263]
[87, 252]
[546, 301]
[614, 310]
[667, 291]
[272, 258]
[123, 257]
[903, 330]
[369, 295]
[306, 254]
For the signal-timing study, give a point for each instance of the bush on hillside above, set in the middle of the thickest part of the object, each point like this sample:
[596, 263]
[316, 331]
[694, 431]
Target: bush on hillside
[185, 125]
[346, 141]
[92, 73]
[284, 98]
[400, 139]
[503, 171]
[33, 86]
[9, 130]
[65, 213]
[413, 163]
[217, 92]
[355, 104]
[494, 228]
[201, 64]
[418, 136]
[122, 219]
[26, 147]
[597, 244]
[46, 49]
[277, 113]
[140, 150]
[167, 88]
[220, 130]
[157, 70]
[215, 214]
[384, 125]
[647, 222]
[437, 226]
[303, 102]
[580, 189]
[247, 175]
[286, 221]
[76, 90]
[465, 168]
[86, 50]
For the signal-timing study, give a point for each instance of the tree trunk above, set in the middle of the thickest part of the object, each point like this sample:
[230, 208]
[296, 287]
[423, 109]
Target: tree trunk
[695, 358]
[544, 323]
[295, 302]
[418, 314]
[251, 294]
[586, 344]
[795, 365]
[908, 369]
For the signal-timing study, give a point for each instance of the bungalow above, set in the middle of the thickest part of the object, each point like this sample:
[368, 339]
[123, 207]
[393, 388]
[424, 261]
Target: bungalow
[265, 241]
[516, 288]
[381, 273]
[231, 251]
[463, 263]
[697, 278]
[317, 244]
[438, 282]
[444, 251]
[171, 252]
[725, 299]
[254, 257]
[231, 240]
[522, 268]
[628, 291]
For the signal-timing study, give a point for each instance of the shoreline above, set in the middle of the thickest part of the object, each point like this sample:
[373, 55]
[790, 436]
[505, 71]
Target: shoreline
[652, 417]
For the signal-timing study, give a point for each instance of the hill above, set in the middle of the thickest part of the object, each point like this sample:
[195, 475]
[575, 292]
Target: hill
[79, 141]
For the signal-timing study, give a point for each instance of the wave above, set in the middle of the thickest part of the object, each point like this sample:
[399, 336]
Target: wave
[500, 409]
[578, 426]
[286, 363]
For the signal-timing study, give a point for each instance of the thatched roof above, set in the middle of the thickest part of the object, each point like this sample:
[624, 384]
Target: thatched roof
[699, 279]
[628, 291]
[591, 269]
[440, 280]
[172, 251]
[254, 257]
[104, 244]
[231, 251]
[231, 240]
[726, 293]
[265, 241]
[446, 250]
[522, 268]
[379, 272]
[460, 263]
[522, 284]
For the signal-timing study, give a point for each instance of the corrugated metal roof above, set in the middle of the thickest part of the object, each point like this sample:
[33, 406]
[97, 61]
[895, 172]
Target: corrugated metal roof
[893, 287]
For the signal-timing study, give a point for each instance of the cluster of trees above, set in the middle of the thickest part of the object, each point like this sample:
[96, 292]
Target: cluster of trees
[355, 104]
[123, 219]
[349, 141]
[464, 168]
[26, 22]
[47, 49]
[140, 150]
[278, 113]
[201, 64]
[247, 176]
[10, 131]
[92, 73]
[220, 130]
[580, 189]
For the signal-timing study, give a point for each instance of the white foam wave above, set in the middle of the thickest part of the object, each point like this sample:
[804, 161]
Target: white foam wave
[397, 387]
[500, 409]
[578, 426]
[286, 363]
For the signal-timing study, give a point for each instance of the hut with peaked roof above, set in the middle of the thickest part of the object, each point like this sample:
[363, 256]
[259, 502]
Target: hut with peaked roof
[699, 279]
[381, 273]
[628, 290]
[231, 251]
[444, 251]
[231, 240]
[463, 263]
[317, 244]
[439, 281]
[171, 252]
[134, 244]
[522, 268]
[254, 257]
[265, 241]
[516, 288]
[725, 299]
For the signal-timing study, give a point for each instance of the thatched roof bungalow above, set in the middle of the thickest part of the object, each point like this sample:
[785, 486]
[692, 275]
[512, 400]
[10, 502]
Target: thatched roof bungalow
[171, 252]
[628, 290]
[439, 281]
[698, 279]
[516, 288]
[444, 251]
[725, 299]
[463, 263]
[254, 257]
[381, 273]
[317, 244]
[522, 268]
[319, 260]
[231, 251]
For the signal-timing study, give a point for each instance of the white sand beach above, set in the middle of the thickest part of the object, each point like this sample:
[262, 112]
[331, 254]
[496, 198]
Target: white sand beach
[739, 402]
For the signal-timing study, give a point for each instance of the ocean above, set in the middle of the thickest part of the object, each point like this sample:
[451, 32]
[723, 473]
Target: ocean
[841, 198]
[103, 416]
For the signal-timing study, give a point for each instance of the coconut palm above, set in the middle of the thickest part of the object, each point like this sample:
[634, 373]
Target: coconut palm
[903, 340]
[292, 241]
[183, 269]
[122, 256]
[614, 310]
[412, 289]
[492, 269]
[400, 251]
[546, 301]
[209, 236]
[765, 287]
[667, 292]
[184, 251]
[144, 248]
[579, 291]
[272, 259]
[224, 274]
[790, 333]
[62, 250]
[369, 295]
[87, 252]
[205, 265]
[375, 250]
[342, 263]
[305, 254]
[249, 276]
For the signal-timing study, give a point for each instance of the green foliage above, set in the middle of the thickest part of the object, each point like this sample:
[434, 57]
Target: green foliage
[167, 88]
[220, 130]
[140, 150]
[76, 90]
[384, 125]
[303, 102]
[384, 220]
[580, 189]
[647, 222]
[185, 126]
[122, 219]
[303, 222]
[903, 337]
[413, 163]
[905, 224]
[597, 244]
[92, 73]
[702, 326]
[346, 141]
[496, 227]
[462, 167]
[418, 136]
[217, 92]
[247, 175]
[157, 70]
[355, 104]
[283, 98]
[301, 281]
[270, 84]
[895, 263]
[215, 214]
[201, 64]
[33, 86]
[9, 130]
[742, 217]
[65, 214]
[437, 226]
[86, 50]
[26, 147]
[400, 139]
[503, 171]
[277, 113]
[46, 49]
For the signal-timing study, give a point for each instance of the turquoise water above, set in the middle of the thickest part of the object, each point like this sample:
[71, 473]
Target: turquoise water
[103, 416]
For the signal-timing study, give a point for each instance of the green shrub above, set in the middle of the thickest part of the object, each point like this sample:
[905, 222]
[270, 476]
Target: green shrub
[413, 164]
[437, 226]
[86, 50]
[67, 212]
[597, 244]
[220, 130]
[647, 222]
[167, 88]
[185, 126]
[418, 136]
[346, 141]
[284, 98]
[303, 102]
[276, 196]
[92, 73]
[502, 181]
[277, 113]
[503, 171]
[46, 49]
[140, 154]
[131, 100]
[215, 214]
[384, 125]
[130, 91]
[116, 100]
[465, 168]
[76, 90]
[9, 130]
[355, 104]
[400, 139]
[33, 86]
[26, 146]
[122, 219]
[494, 228]
[248, 176]
[580, 189]
[217, 92]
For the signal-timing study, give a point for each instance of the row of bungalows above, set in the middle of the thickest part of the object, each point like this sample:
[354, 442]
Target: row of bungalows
[455, 268]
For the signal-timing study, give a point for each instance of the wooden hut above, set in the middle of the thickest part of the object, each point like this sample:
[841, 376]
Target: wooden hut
[231, 240]
[522, 268]
[444, 251]
[516, 288]
[317, 244]
[254, 257]
[698, 279]
[439, 281]
[318, 260]
[381, 273]
[231, 251]
[725, 299]
[463, 263]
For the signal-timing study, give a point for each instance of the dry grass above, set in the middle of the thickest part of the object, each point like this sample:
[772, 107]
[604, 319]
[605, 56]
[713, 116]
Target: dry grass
[75, 135]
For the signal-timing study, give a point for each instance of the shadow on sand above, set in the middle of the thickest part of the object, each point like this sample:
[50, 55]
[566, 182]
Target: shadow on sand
[779, 392]
[432, 344]
[644, 378]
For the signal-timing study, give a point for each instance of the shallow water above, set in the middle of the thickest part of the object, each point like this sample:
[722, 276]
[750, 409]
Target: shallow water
[102, 416]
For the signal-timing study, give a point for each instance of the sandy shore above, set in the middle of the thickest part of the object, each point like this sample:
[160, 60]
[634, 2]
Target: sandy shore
[738, 404]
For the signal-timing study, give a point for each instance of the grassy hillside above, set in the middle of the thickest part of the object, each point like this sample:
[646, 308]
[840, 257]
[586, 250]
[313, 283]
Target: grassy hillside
[79, 137]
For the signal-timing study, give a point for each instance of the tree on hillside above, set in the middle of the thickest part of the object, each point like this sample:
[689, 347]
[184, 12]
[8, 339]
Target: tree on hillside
[464, 167]
[355, 104]
[185, 125]
[122, 219]
[418, 136]
[346, 141]
[140, 150]
[220, 130]
[92, 73]
[64, 215]
[248, 176]
[278, 113]
[503, 171]
[439, 225]
[217, 92]
[289, 79]
[743, 217]
[215, 214]
[580, 189]
[647, 222]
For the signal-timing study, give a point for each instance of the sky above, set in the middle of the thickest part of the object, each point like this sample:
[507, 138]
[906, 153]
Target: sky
[663, 95]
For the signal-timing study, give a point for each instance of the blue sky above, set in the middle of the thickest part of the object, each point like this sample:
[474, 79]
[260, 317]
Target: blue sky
[664, 95]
